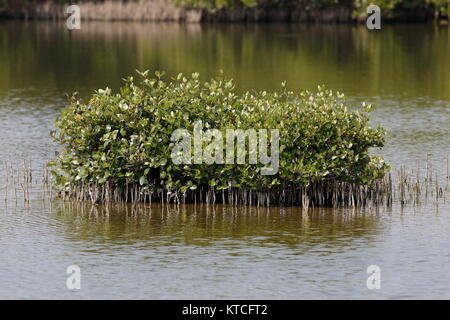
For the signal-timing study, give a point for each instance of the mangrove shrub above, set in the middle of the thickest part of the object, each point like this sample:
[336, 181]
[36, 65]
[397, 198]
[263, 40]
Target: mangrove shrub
[117, 145]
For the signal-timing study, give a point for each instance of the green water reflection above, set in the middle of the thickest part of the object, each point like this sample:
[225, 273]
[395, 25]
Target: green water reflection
[206, 225]
[411, 60]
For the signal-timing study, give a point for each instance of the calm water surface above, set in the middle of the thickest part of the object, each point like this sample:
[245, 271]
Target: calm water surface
[225, 252]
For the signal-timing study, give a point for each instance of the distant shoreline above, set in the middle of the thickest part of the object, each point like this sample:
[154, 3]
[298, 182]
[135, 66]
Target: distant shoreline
[163, 10]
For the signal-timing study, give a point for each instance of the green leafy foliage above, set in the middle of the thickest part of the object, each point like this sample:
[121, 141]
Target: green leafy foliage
[125, 137]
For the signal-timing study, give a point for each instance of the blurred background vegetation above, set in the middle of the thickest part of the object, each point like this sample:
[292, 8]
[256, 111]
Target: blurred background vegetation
[387, 6]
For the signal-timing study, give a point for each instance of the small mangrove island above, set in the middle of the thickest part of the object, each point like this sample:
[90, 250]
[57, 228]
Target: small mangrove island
[119, 146]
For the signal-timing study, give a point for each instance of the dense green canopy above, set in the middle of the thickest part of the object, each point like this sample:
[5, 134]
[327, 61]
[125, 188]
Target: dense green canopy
[126, 137]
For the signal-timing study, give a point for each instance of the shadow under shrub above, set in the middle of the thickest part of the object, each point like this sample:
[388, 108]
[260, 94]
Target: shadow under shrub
[117, 146]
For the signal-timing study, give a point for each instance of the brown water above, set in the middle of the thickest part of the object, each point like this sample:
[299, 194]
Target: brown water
[225, 252]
